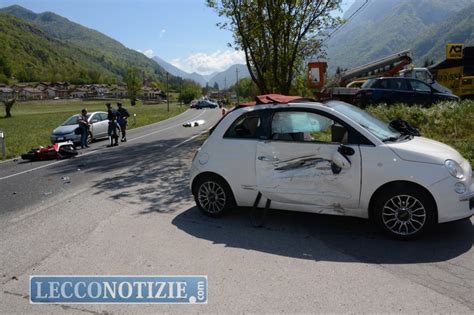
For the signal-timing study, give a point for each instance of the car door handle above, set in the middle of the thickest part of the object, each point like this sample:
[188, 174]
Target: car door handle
[268, 158]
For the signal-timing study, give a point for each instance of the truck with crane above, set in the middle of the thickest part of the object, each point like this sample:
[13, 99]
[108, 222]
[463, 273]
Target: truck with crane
[453, 75]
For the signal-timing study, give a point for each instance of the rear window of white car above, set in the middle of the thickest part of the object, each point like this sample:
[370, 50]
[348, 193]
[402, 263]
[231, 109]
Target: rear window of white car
[244, 127]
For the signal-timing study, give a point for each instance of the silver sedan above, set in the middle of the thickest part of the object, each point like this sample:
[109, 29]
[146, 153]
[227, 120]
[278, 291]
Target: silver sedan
[67, 130]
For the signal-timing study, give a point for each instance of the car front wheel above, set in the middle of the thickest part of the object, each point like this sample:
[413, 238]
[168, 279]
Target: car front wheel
[405, 213]
[213, 196]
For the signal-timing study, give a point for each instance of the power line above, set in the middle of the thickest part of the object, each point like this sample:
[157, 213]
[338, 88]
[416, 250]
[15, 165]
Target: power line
[348, 19]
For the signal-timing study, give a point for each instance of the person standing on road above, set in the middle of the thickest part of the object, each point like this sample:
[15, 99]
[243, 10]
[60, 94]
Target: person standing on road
[113, 130]
[83, 128]
[122, 120]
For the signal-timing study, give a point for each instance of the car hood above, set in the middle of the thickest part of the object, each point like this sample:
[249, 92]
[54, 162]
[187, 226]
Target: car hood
[62, 130]
[420, 149]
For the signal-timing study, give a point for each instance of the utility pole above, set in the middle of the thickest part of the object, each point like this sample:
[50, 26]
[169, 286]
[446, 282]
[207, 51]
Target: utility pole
[225, 88]
[167, 92]
[237, 84]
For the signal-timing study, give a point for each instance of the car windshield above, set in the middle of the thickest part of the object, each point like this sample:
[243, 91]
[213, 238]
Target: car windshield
[378, 128]
[368, 83]
[72, 120]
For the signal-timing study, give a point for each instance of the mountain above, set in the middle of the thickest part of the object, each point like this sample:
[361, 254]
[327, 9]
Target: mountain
[32, 55]
[110, 53]
[459, 28]
[385, 27]
[196, 77]
[209, 76]
[228, 77]
[223, 79]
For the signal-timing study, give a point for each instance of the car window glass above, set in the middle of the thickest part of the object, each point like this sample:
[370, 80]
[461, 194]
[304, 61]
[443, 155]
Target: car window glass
[368, 83]
[398, 84]
[378, 128]
[71, 121]
[103, 116]
[245, 126]
[383, 84]
[419, 86]
[94, 118]
[305, 126]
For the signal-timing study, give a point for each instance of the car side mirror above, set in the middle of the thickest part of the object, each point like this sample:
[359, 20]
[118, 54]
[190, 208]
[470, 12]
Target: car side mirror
[339, 162]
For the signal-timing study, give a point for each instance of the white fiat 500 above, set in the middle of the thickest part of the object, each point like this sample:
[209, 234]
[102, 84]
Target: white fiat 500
[331, 158]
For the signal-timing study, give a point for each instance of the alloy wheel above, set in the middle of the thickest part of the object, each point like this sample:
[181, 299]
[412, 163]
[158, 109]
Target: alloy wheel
[212, 197]
[404, 215]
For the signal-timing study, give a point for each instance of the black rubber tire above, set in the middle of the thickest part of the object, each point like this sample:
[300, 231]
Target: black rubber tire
[67, 151]
[224, 192]
[417, 193]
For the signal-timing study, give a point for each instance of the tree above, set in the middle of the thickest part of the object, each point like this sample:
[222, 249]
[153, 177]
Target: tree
[134, 83]
[246, 88]
[428, 63]
[277, 36]
[189, 91]
[205, 90]
[5, 68]
[8, 106]
[216, 86]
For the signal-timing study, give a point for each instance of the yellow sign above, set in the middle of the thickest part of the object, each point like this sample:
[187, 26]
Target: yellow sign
[454, 51]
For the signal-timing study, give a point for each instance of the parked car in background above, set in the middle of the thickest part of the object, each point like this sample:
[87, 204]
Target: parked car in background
[392, 90]
[67, 131]
[356, 84]
[205, 104]
[331, 158]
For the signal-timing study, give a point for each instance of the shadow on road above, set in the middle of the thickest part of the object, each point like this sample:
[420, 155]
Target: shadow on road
[151, 176]
[307, 236]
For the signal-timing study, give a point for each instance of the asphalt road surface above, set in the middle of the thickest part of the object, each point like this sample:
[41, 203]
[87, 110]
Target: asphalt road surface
[128, 210]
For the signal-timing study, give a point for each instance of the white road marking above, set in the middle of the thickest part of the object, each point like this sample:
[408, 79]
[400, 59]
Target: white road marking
[158, 131]
[95, 151]
[189, 139]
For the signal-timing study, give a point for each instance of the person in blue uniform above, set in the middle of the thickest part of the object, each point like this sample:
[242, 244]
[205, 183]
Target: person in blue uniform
[114, 128]
[122, 120]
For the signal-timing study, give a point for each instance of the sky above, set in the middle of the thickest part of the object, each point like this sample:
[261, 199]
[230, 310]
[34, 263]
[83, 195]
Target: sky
[182, 32]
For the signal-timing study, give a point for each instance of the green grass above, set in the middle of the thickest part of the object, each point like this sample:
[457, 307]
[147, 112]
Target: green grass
[448, 122]
[32, 122]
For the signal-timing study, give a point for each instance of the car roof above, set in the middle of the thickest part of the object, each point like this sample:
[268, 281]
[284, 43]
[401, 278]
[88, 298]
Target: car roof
[305, 104]
[394, 78]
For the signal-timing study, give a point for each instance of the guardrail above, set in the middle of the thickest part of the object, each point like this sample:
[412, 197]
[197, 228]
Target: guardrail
[3, 145]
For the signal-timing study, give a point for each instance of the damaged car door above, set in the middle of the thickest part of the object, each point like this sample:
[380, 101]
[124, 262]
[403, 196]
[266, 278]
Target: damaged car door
[308, 161]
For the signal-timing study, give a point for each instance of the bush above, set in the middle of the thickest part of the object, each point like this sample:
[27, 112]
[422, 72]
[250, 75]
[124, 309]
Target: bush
[448, 122]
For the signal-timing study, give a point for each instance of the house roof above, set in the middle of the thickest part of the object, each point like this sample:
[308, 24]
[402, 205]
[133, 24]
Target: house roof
[32, 90]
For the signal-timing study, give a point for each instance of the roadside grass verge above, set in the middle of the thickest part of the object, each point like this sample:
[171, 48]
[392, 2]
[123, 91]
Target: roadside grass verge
[31, 123]
[448, 122]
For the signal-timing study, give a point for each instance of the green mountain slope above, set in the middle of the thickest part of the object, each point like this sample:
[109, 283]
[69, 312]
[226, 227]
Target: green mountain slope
[32, 55]
[388, 26]
[458, 28]
[113, 56]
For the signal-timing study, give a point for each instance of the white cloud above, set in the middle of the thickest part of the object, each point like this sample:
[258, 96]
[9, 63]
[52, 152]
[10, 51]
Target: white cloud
[146, 52]
[208, 63]
[162, 32]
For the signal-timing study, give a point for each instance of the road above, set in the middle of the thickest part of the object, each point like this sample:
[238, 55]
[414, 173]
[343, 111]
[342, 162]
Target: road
[128, 210]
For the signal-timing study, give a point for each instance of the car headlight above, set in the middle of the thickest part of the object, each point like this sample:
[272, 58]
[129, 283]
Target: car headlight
[454, 169]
